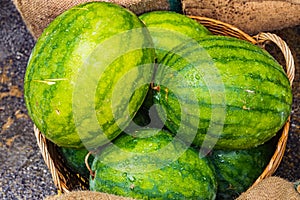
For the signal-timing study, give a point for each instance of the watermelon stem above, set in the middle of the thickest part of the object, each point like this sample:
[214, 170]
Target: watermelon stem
[156, 88]
[92, 173]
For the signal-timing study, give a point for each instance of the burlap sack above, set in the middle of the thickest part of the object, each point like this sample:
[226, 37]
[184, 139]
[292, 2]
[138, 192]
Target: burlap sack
[274, 188]
[37, 14]
[86, 195]
[251, 16]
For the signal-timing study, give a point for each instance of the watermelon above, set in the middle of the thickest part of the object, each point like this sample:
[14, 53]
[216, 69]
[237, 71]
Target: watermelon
[238, 169]
[169, 29]
[222, 92]
[74, 159]
[88, 74]
[151, 164]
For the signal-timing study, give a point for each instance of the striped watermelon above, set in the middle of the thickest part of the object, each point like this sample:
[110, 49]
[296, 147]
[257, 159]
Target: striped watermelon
[223, 92]
[238, 169]
[151, 164]
[74, 159]
[88, 74]
[169, 29]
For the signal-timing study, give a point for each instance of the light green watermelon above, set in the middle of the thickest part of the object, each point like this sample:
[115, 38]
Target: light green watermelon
[169, 29]
[88, 74]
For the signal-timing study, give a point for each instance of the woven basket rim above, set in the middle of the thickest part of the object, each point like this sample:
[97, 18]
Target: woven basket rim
[218, 28]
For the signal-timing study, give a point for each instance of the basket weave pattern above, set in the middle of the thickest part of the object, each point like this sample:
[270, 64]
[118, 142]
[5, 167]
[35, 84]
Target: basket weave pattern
[66, 180]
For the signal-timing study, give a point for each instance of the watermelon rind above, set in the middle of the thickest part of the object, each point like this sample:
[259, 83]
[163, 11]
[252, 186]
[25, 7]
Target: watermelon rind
[88, 74]
[243, 95]
[151, 164]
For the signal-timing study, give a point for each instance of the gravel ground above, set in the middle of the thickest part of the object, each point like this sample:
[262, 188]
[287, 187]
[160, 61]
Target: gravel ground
[23, 173]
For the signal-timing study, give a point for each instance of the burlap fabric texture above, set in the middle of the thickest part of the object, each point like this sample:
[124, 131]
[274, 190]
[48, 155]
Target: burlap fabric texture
[272, 188]
[37, 14]
[251, 16]
[86, 195]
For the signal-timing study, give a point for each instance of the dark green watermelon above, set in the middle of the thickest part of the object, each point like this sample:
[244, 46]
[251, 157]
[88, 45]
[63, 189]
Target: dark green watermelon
[151, 164]
[222, 92]
[238, 169]
[75, 160]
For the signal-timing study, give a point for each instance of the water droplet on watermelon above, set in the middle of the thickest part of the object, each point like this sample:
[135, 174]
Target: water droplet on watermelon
[131, 178]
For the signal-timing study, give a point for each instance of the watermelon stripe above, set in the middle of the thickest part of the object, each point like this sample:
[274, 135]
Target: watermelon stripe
[231, 107]
[177, 118]
[188, 48]
[114, 79]
[251, 75]
[280, 99]
[170, 22]
[127, 190]
[179, 53]
[235, 182]
[228, 59]
[150, 193]
[188, 51]
[226, 136]
[228, 129]
[69, 21]
[169, 29]
[59, 70]
[115, 170]
[228, 132]
[145, 56]
[172, 115]
[244, 44]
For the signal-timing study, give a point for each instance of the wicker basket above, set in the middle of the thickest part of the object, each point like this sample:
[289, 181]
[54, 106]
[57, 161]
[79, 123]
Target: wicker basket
[66, 180]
